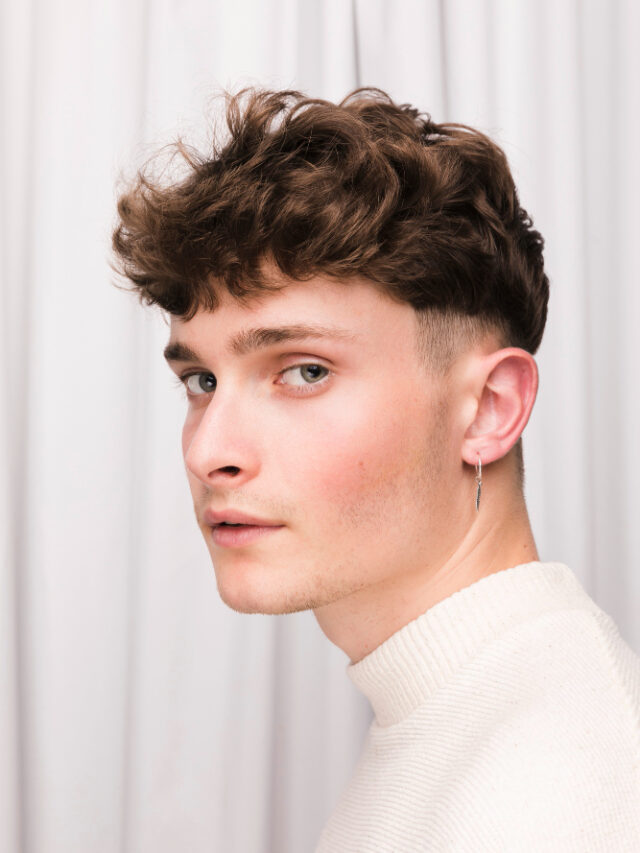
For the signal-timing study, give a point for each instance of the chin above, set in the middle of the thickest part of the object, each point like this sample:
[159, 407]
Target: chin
[246, 590]
[251, 601]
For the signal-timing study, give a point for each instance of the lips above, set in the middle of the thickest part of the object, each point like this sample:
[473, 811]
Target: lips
[250, 529]
[231, 516]
[226, 536]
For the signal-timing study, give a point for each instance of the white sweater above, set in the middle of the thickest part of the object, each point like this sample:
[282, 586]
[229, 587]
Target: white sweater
[507, 718]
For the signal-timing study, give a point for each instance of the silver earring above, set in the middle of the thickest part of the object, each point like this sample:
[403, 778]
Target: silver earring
[479, 482]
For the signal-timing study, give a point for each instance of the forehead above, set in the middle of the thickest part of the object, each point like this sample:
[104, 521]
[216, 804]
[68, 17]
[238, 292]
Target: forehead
[348, 312]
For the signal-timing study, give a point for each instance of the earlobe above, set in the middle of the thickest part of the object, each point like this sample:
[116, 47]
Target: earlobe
[505, 400]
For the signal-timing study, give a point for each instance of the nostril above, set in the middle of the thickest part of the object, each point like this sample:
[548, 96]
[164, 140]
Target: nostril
[231, 469]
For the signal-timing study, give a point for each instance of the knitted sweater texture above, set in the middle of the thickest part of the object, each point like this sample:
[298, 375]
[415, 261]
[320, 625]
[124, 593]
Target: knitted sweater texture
[507, 718]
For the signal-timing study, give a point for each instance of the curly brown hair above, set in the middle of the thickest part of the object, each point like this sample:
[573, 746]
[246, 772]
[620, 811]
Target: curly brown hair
[366, 188]
[362, 188]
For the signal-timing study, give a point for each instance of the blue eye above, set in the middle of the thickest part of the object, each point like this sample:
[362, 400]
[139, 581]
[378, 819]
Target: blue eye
[308, 372]
[200, 383]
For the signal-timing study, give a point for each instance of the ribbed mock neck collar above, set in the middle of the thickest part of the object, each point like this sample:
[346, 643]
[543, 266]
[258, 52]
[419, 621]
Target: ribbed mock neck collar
[407, 668]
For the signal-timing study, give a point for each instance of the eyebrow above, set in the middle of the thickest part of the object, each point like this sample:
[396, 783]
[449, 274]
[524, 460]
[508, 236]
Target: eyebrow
[251, 340]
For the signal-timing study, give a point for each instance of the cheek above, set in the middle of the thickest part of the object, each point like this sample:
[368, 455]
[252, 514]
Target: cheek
[351, 464]
[192, 419]
[188, 430]
[187, 434]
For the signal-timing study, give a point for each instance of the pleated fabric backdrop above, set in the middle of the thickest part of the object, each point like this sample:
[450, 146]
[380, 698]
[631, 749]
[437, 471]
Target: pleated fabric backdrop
[138, 714]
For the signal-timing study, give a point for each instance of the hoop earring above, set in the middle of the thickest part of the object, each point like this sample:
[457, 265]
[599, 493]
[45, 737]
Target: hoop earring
[479, 482]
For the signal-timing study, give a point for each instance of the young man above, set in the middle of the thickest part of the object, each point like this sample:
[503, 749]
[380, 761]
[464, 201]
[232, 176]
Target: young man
[356, 296]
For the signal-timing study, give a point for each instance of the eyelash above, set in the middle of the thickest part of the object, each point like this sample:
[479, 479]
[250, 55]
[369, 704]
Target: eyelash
[181, 381]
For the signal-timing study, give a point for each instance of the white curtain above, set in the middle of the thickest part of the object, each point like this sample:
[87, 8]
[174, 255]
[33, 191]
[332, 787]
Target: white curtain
[138, 714]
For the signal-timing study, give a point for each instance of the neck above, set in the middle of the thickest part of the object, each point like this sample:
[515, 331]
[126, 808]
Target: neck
[496, 540]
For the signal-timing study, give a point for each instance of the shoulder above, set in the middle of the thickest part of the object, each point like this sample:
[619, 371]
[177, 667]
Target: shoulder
[561, 755]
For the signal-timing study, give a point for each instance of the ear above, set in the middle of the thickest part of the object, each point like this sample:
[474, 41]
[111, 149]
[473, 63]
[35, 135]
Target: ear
[506, 384]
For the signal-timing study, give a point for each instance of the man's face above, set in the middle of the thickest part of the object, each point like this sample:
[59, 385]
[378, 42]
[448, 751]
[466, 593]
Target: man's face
[353, 455]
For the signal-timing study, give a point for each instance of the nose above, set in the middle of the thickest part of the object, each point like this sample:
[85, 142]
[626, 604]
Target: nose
[220, 442]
